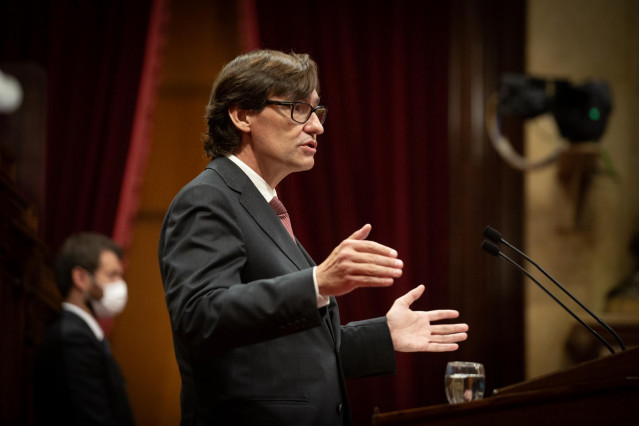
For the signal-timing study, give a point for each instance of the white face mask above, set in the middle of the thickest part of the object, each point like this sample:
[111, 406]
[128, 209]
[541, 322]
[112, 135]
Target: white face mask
[113, 300]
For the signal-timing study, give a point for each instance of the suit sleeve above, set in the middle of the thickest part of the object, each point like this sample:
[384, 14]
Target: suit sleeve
[367, 349]
[203, 258]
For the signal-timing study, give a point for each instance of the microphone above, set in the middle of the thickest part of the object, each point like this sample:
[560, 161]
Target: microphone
[495, 236]
[493, 249]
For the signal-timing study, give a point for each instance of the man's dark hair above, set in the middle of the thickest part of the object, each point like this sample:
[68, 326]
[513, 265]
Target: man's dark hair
[248, 81]
[83, 250]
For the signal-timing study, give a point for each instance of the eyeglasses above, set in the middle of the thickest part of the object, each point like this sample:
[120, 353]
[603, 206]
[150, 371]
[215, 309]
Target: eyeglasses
[301, 111]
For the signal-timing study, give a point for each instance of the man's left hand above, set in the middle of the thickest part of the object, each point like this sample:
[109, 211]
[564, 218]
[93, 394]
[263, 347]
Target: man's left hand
[413, 331]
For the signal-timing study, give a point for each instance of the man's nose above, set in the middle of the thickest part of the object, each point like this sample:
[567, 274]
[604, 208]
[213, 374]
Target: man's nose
[313, 125]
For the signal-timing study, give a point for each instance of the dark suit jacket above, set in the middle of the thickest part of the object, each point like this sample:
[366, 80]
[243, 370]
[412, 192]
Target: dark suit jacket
[251, 344]
[77, 380]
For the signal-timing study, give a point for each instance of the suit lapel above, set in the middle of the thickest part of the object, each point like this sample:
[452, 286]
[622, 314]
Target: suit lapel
[259, 209]
[307, 256]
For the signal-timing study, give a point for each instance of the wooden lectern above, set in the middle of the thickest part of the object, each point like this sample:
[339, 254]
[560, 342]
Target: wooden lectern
[600, 392]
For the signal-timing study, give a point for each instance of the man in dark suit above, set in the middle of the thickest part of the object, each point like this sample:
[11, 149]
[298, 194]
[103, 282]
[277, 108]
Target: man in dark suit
[77, 380]
[255, 322]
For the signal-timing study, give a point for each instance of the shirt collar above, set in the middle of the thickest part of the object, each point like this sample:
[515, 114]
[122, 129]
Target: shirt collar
[91, 322]
[267, 192]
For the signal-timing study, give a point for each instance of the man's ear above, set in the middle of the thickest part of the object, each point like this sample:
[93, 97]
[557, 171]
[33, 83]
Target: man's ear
[239, 117]
[81, 278]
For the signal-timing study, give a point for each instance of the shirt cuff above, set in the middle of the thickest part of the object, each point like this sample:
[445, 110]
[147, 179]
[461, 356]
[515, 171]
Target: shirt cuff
[321, 300]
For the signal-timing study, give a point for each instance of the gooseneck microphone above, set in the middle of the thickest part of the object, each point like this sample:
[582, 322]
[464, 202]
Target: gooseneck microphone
[493, 249]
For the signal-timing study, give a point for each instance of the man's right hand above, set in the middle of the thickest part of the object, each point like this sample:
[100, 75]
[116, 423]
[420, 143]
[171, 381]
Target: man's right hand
[357, 262]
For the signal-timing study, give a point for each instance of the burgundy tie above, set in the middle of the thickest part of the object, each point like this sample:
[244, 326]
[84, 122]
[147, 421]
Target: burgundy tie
[281, 212]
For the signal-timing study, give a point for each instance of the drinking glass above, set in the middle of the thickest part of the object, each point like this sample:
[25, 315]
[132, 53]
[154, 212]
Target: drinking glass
[465, 381]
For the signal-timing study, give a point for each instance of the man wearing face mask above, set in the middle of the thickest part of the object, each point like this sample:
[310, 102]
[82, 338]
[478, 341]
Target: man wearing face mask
[77, 380]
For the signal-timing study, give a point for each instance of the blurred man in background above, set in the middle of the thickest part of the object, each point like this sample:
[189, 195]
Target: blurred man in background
[77, 380]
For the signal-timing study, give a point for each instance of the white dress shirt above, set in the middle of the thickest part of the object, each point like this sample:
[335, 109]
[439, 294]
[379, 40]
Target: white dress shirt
[91, 322]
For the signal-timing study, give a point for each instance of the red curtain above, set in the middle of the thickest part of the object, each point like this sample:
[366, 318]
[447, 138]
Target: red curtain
[92, 53]
[140, 140]
[382, 159]
[94, 64]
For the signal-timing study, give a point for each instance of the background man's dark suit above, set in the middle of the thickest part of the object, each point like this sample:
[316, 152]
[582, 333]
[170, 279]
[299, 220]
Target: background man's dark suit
[77, 380]
[251, 344]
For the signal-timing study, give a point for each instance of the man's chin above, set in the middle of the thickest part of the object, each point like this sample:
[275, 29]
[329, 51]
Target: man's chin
[306, 165]
[310, 165]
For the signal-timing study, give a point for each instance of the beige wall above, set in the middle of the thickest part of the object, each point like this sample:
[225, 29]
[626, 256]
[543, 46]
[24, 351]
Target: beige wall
[578, 40]
[202, 36]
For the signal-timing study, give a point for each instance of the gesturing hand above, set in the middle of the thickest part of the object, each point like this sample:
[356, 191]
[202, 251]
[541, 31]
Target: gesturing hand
[412, 331]
[357, 262]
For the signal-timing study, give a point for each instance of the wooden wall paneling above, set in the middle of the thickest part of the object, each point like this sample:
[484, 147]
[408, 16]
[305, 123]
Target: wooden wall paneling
[28, 296]
[486, 40]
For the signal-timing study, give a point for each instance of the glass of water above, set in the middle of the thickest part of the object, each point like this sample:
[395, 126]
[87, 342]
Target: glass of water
[465, 381]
